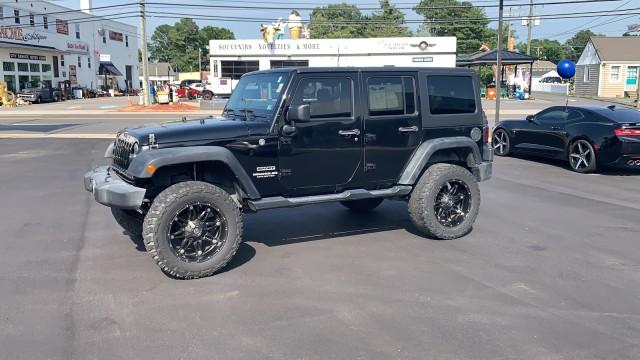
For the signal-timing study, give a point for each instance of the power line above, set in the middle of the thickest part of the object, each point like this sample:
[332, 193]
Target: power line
[587, 23]
[66, 11]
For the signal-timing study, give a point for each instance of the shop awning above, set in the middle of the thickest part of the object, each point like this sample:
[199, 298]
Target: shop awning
[107, 68]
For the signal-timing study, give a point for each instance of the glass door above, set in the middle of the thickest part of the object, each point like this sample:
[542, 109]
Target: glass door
[632, 78]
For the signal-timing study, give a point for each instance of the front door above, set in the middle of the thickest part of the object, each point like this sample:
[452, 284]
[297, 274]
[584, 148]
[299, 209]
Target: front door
[632, 79]
[392, 126]
[546, 134]
[324, 154]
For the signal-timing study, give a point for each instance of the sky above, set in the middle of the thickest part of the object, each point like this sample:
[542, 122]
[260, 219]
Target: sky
[558, 29]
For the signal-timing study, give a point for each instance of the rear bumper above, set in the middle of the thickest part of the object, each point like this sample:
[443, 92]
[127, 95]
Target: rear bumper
[626, 162]
[108, 189]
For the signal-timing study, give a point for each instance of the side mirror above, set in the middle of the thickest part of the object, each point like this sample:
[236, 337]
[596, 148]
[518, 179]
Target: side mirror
[300, 113]
[531, 119]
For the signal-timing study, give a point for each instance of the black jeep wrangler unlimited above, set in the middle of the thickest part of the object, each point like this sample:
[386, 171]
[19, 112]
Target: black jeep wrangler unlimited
[292, 137]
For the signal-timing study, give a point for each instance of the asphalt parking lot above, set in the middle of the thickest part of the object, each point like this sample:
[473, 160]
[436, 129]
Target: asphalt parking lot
[550, 271]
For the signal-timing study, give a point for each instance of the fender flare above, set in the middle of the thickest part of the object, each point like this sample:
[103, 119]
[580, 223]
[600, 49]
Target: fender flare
[421, 156]
[182, 155]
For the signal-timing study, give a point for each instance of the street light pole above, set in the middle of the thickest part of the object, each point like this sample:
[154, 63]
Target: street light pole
[145, 65]
[499, 61]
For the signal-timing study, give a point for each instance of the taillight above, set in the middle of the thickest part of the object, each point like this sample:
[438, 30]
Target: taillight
[626, 132]
[486, 134]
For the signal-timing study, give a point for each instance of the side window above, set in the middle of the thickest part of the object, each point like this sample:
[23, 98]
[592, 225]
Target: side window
[391, 95]
[552, 115]
[451, 94]
[574, 115]
[327, 97]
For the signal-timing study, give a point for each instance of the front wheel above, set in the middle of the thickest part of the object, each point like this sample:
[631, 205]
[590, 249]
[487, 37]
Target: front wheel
[445, 202]
[582, 157]
[501, 142]
[207, 95]
[192, 229]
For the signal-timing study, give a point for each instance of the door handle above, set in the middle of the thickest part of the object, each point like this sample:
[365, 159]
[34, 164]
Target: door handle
[405, 129]
[349, 132]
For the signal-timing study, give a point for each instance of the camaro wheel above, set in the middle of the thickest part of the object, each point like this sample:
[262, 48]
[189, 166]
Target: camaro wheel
[129, 220]
[582, 157]
[192, 229]
[362, 205]
[501, 142]
[444, 203]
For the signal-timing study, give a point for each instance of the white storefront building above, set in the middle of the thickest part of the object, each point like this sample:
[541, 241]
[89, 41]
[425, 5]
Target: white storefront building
[230, 59]
[43, 41]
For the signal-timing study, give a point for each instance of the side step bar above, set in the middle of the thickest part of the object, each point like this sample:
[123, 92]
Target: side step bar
[355, 194]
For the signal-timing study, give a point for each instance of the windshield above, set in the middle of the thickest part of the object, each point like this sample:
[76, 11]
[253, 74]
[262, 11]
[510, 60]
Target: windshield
[33, 84]
[257, 95]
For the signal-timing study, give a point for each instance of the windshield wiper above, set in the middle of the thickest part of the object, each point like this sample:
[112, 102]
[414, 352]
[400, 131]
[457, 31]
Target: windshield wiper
[248, 113]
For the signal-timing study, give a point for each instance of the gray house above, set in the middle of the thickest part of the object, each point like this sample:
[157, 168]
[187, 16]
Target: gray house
[608, 67]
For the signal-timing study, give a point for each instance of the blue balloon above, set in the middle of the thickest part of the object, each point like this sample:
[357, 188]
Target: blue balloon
[566, 69]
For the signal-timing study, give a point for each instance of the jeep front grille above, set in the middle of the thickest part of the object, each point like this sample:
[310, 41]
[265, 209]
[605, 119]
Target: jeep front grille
[122, 150]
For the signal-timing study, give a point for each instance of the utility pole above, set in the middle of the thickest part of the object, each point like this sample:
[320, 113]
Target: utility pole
[509, 43]
[145, 59]
[499, 62]
[529, 27]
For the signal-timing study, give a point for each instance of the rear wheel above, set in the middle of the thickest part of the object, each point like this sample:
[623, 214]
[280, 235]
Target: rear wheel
[582, 157]
[362, 205]
[444, 203]
[192, 229]
[501, 142]
[207, 95]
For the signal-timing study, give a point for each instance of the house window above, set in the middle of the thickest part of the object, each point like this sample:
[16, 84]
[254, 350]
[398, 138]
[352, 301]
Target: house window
[77, 31]
[126, 40]
[79, 61]
[23, 67]
[16, 14]
[615, 73]
[89, 62]
[32, 20]
[587, 74]
[45, 22]
[62, 60]
[8, 66]
[34, 68]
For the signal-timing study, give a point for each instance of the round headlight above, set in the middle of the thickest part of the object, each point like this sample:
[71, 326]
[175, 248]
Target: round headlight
[135, 149]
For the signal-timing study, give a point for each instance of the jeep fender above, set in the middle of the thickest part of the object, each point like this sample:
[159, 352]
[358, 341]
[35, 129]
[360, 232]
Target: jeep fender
[421, 156]
[184, 155]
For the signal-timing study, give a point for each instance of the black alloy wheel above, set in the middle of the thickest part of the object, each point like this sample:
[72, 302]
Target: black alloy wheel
[453, 203]
[197, 232]
[582, 156]
[501, 142]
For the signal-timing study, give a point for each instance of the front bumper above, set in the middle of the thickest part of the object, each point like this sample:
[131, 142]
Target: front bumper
[28, 97]
[108, 189]
[483, 171]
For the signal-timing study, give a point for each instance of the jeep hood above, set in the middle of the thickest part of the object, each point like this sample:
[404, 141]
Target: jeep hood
[202, 131]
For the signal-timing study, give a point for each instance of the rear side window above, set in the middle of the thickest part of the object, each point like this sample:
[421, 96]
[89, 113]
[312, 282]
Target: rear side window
[391, 95]
[327, 97]
[451, 94]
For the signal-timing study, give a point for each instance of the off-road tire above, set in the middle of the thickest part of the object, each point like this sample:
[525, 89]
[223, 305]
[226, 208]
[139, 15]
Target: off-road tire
[129, 220]
[362, 205]
[422, 201]
[161, 213]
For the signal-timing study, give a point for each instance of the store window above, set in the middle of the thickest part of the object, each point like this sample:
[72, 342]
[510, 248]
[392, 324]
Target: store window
[8, 66]
[77, 31]
[126, 40]
[62, 60]
[35, 77]
[46, 67]
[23, 67]
[45, 22]
[11, 82]
[89, 62]
[16, 16]
[23, 80]
[235, 69]
[79, 61]
[34, 68]
[32, 20]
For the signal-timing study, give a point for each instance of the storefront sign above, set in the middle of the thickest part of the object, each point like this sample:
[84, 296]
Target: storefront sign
[27, 57]
[115, 36]
[62, 27]
[78, 47]
[73, 75]
[16, 33]
[105, 57]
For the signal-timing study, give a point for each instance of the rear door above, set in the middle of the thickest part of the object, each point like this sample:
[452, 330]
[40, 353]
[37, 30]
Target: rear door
[392, 126]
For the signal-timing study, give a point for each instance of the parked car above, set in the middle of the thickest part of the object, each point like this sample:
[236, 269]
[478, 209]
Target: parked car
[586, 136]
[185, 83]
[39, 91]
[187, 92]
[293, 137]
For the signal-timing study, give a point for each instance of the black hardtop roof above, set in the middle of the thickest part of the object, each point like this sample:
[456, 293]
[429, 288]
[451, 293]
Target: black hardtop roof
[620, 113]
[306, 70]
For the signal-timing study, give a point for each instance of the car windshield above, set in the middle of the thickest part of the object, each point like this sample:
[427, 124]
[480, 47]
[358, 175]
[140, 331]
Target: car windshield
[34, 84]
[257, 95]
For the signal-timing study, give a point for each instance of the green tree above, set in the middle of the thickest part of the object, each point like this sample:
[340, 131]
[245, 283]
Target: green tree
[452, 18]
[387, 22]
[336, 21]
[212, 33]
[550, 50]
[180, 44]
[575, 45]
